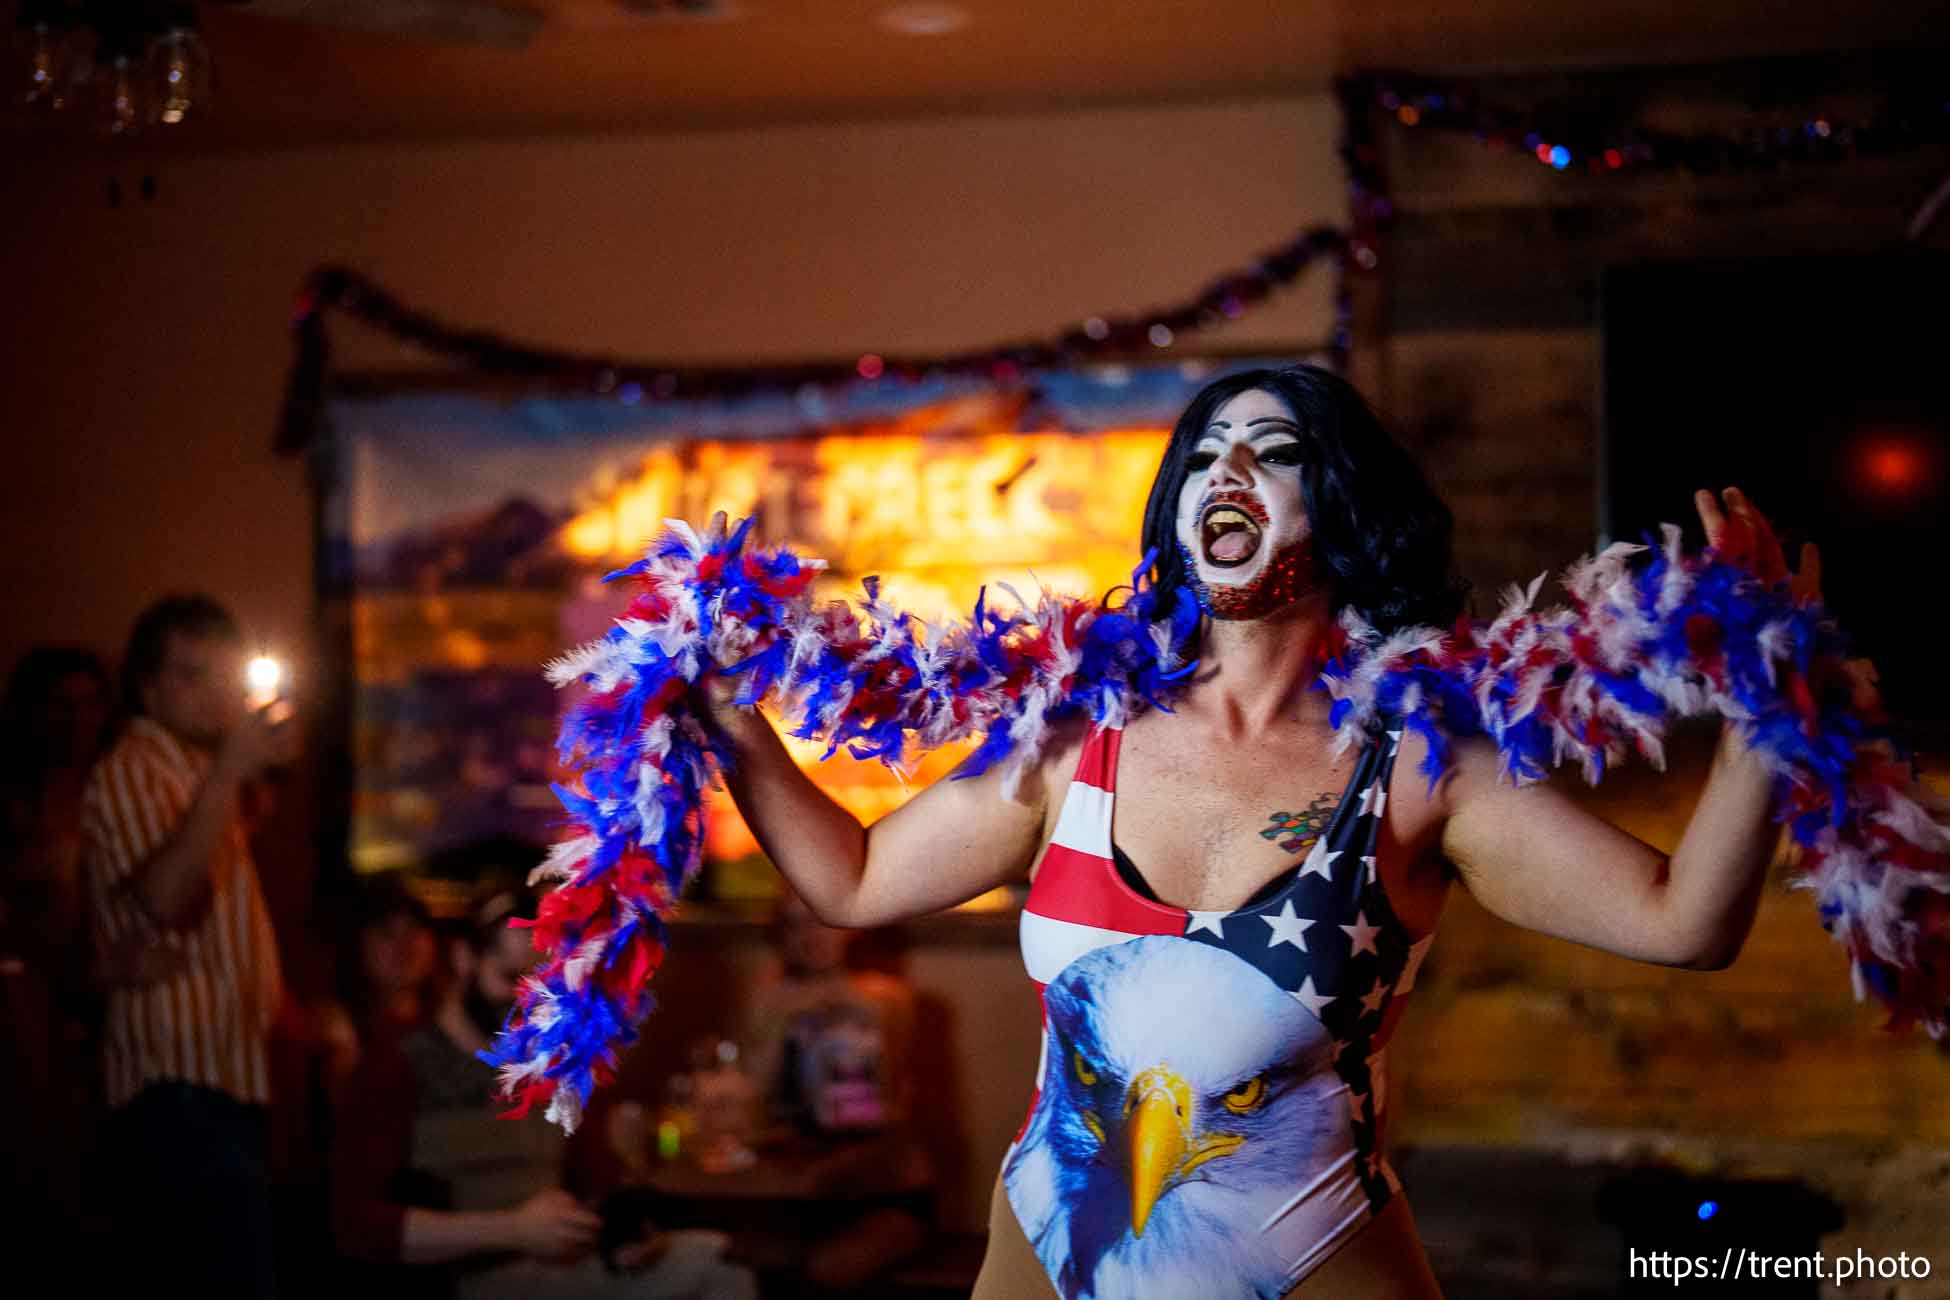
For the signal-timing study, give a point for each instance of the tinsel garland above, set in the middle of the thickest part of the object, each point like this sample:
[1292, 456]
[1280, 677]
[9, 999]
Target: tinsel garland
[1639, 647]
[1225, 297]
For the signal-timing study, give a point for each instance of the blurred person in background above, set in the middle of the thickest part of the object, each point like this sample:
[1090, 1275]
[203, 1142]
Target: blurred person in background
[386, 976]
[53, 724]
[53, 721]
[166, 857]
[433, 1190]
[833, 1048]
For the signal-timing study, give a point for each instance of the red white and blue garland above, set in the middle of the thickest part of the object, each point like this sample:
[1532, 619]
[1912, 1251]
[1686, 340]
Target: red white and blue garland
[875, 681]
[1641, 646]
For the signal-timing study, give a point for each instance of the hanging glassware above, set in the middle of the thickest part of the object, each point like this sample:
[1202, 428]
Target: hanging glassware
[120, 108]
[44, 65]
[178, 75]
[121, 64]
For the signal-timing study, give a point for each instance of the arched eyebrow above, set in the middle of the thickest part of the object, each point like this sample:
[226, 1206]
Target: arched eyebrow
[1276, 423]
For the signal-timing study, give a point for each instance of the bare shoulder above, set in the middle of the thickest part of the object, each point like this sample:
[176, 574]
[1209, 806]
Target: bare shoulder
[1428, 791]
[1061, 752]
[1434, 788]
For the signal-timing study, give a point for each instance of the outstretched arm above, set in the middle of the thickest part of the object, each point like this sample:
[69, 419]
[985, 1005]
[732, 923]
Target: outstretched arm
[950, 842]
[1535, 858]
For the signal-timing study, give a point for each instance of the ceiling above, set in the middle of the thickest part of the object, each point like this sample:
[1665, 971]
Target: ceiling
[593, 66]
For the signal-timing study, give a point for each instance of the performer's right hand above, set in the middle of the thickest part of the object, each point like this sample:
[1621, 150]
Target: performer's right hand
[553, 1225]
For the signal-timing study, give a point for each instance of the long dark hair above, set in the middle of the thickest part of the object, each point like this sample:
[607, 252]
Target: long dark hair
[1381, 535]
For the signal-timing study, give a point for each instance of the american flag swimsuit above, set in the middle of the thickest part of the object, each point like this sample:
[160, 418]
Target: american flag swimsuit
[1208, 1112]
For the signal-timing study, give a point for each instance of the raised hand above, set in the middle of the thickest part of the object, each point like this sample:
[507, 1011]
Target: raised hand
[266, 736]
[1742, 536]
[1739, 533]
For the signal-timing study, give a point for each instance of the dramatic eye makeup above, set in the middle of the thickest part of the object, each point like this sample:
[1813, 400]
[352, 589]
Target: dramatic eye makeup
[1265, 430]
[1284, 454]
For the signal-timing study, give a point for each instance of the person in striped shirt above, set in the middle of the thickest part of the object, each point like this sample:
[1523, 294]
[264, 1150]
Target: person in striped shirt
[166, 857]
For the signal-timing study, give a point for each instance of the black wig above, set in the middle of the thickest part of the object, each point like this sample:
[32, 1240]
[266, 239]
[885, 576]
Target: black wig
[1381, 536]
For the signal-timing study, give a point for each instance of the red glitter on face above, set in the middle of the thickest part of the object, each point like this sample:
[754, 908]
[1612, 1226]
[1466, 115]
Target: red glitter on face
[1288, 576]
[1243, 499]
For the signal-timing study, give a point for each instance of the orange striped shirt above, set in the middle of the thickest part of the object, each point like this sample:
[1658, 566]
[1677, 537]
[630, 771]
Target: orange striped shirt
[206, 1024]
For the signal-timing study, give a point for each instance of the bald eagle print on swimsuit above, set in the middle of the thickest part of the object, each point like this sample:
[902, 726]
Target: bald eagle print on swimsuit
[1208, 1114]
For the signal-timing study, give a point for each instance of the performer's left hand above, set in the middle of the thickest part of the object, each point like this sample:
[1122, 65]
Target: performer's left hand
[1742, 536]
[1739, 533]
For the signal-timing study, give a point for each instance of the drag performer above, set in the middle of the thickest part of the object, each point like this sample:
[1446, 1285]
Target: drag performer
[1228, 907]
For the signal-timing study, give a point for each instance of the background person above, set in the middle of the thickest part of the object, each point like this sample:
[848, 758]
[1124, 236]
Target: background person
[434, 1188]
[166, 854]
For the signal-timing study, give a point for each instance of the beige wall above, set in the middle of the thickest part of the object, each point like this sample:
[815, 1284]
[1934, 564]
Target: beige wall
[145, 348]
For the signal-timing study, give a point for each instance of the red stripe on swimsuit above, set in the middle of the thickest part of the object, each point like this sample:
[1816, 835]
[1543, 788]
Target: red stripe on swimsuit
[1207, 1116]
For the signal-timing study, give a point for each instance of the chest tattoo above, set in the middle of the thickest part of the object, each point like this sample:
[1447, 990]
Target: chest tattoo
[1296, 831]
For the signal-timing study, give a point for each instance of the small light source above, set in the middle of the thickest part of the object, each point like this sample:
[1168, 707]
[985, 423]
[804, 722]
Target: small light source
[1893, 466]
[263, 676]
[1707, 1209]
[922, 18]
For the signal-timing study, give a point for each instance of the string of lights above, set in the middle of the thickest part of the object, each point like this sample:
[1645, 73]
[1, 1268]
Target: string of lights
[1552, 138]
[1556, 139]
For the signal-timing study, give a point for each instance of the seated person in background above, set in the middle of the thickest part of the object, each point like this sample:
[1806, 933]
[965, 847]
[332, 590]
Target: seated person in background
[830, 1048]
[386, 986]
[429, 1180]
[53, 720]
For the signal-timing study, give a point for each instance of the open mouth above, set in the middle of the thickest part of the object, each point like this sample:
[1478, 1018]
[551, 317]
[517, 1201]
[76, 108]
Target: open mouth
[1229, 532]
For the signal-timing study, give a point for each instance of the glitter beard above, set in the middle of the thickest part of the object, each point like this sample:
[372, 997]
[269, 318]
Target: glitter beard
[1287, 577]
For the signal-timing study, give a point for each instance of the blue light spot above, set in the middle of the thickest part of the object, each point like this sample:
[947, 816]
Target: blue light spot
[630, 394]
[1707, 1209]
[1560, 157]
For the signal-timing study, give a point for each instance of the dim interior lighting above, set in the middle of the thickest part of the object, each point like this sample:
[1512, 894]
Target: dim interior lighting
[922, 18]
[1707, 1209]
[1160, 335]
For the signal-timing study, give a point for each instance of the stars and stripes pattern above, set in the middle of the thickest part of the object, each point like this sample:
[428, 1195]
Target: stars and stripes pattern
[1328, 938]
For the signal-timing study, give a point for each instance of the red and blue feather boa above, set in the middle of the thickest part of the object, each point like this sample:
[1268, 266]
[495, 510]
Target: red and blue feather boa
[1640, 646]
